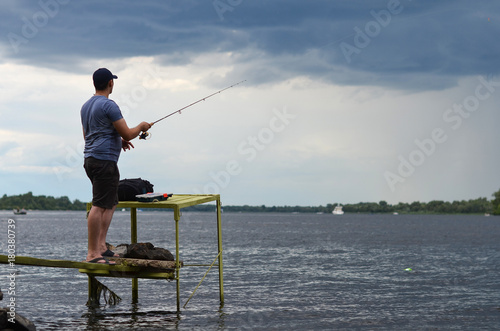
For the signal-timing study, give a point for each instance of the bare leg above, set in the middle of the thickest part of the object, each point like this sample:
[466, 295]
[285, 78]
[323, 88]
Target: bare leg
[107, 216]
[98, 223]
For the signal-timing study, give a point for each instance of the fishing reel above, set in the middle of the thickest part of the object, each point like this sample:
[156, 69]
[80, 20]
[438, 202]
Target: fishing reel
[145, 135]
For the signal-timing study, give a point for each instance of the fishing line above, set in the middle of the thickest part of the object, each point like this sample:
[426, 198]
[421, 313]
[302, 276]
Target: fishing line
[145, 134]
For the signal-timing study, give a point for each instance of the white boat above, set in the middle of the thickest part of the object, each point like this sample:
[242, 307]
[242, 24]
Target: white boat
[338, 210]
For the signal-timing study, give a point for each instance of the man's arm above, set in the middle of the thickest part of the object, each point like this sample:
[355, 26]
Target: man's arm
[130, 133]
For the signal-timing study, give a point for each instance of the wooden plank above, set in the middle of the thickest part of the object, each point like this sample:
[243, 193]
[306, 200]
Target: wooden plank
[128, 266]
[129, 274]
[27, 260]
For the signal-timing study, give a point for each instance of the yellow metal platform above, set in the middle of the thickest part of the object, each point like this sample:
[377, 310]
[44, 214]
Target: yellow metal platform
[176, 203]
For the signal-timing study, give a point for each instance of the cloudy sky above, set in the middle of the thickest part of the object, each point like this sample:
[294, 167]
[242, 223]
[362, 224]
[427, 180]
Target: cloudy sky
[343, 101]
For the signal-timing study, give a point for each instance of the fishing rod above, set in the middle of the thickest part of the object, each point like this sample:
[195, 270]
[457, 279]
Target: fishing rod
[145, 134]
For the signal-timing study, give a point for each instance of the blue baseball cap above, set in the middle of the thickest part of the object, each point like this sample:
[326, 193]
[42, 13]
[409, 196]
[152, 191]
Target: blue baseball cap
[103, 76]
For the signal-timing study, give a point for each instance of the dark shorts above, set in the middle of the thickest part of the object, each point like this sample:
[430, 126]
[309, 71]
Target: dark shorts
[104, 176]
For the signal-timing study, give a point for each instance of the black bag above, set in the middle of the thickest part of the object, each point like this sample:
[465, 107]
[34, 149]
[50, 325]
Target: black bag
[129, 188]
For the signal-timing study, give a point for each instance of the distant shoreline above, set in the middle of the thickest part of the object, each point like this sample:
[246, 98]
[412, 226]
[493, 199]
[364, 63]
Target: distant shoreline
[232, 210]
[436, 207]
[163, 210]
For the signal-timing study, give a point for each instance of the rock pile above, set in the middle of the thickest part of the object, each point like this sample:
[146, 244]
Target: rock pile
[145, 251]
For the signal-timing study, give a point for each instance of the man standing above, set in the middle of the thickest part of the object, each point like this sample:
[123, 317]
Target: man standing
[106, 133]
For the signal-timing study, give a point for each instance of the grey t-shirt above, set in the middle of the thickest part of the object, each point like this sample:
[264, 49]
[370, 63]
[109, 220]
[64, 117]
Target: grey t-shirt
[102, 141]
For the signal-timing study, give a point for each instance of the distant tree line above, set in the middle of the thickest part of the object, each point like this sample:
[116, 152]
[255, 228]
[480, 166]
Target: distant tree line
[40, 202]
[495, 203]
[477, 206]
[265, 209]
[474, 206]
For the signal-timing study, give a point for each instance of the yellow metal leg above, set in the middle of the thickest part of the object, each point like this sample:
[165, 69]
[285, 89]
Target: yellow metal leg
[133, 240]
[133, 225]
[219, 238]
[177, 216]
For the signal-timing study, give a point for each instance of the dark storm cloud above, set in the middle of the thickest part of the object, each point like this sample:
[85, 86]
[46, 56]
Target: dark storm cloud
[407, 43]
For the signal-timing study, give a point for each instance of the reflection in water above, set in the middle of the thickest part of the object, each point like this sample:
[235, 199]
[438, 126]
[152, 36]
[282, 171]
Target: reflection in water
[104, 317]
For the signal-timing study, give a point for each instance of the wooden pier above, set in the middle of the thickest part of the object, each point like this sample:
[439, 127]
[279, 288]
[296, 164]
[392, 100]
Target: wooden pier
[135, 269]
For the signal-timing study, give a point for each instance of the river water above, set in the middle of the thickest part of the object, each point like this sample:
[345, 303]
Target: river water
[281, 272]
